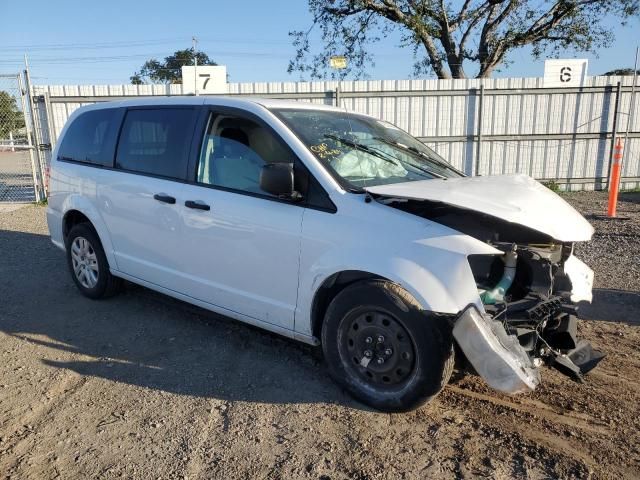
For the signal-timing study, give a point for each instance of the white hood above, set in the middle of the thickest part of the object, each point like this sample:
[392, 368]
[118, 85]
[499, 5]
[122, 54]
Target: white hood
[514, 198]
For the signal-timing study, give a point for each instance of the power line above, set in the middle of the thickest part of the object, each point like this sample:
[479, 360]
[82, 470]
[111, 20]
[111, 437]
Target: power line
[135, 43]
[96, 45]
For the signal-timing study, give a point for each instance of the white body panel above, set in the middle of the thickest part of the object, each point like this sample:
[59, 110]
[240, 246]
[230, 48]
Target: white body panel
[263, 261]
[243, 254]
[145, 234]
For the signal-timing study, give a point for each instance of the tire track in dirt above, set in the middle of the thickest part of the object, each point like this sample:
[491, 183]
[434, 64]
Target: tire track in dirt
[218, 419]
[218, 413]
[530, 430]
[64, 384]
[23, 429]
[536, 408]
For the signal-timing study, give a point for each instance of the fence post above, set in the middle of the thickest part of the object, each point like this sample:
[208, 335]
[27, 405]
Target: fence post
[25, 98]
[38, 154]
[614, 134]
[479, 147]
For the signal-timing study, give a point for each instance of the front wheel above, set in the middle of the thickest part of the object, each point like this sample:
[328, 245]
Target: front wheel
[383, 349]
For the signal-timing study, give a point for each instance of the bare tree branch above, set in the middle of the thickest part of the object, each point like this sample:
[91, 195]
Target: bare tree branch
[440, 31]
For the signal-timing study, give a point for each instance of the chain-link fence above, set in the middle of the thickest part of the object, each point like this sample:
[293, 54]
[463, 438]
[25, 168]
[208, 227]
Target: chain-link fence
[17, 169]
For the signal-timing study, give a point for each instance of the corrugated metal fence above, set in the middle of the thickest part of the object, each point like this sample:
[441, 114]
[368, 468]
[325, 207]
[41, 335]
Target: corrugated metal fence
[488, 126]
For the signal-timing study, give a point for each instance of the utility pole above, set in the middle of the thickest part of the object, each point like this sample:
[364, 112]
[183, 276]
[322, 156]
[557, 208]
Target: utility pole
[194, 46]
[632, 101]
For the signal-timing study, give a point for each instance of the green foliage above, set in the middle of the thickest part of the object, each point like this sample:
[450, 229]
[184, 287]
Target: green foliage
[444, 35]
[11, 118]
[552, 185]
[620, 71]
[169, 70]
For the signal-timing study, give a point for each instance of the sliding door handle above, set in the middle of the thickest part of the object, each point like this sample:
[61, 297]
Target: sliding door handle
[198, 205]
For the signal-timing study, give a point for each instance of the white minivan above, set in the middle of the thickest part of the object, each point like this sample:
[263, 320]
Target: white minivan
[332, 228]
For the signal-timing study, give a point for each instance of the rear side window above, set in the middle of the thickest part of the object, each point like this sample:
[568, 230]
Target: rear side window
[156, 141]
[91, 138]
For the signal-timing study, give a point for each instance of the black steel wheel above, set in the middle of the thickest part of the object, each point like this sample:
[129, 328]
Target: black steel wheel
[380, 348]
[384, 349]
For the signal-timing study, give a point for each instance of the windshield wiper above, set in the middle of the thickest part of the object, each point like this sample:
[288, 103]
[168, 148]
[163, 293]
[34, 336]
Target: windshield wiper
[362, 147]
[402, 146]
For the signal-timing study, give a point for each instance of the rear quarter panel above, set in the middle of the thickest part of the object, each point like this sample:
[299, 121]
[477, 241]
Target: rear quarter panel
[75, 187]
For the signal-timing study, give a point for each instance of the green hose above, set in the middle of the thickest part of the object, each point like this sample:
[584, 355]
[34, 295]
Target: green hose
[497, 293]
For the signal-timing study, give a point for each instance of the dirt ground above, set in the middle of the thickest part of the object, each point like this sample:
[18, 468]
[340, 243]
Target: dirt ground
[142, 386]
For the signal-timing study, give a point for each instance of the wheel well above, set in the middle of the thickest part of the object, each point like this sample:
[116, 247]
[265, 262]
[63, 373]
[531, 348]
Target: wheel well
[71, 219]
[333, 285]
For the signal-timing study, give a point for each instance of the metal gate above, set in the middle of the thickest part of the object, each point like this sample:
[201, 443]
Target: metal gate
[20, 165]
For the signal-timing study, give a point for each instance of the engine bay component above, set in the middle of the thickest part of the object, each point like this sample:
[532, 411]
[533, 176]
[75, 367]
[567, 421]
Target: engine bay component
[496, 294]
[544, 320]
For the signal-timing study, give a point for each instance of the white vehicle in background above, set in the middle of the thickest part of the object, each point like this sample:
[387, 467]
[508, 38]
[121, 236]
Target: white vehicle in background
[329, 227]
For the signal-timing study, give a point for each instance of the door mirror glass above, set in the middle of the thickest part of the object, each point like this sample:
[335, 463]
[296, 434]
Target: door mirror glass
[277, 179]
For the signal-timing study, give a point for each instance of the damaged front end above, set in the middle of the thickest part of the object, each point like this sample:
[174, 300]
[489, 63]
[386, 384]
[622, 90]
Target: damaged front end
[529, 293]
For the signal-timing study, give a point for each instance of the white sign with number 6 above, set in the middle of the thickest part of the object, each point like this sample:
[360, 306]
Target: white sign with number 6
[565, 73]
[204, 79]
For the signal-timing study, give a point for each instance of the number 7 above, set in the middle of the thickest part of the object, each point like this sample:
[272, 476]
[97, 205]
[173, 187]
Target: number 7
[207, 76]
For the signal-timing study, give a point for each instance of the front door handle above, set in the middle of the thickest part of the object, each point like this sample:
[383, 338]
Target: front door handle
[164, 198]
[198, 205]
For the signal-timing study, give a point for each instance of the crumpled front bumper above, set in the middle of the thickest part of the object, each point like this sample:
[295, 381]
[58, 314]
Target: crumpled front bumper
[497, 356]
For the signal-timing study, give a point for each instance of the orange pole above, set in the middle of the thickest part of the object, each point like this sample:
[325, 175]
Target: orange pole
[614, 183]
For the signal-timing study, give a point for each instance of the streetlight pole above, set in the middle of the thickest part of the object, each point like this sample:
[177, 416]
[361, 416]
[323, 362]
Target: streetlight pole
[194, 45]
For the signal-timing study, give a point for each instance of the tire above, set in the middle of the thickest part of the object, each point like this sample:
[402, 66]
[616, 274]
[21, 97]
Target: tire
[376, 319]
[88, 263]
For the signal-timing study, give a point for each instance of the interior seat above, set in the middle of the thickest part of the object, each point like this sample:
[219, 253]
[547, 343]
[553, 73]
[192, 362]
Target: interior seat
[235, 164]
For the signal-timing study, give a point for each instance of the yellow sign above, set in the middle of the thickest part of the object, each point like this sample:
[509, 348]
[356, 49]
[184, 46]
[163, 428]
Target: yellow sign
[338, 61]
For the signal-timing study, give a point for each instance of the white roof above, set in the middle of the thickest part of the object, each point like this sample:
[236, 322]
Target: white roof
[229, 101]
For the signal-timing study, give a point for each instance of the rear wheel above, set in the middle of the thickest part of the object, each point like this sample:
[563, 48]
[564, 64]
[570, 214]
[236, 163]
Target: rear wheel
[382, 348]
[88, 263]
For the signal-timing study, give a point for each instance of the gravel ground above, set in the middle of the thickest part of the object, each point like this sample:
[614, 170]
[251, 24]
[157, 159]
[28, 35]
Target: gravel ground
[142, 386]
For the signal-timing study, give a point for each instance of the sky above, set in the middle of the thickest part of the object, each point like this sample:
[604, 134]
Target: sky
[88, 42]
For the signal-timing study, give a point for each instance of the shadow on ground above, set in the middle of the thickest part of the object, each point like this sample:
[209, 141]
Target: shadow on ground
[149, 340]
[631, 197]
[612, 305]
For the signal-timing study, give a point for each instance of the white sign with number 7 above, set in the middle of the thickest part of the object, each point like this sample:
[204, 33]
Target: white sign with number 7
[205, 79]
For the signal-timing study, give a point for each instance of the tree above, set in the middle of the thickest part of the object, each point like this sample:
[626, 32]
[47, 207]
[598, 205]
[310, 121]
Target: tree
[11, 119]
[444, 35]
[620, 71]
[169, 71]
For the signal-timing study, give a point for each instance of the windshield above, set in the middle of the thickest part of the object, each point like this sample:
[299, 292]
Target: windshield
[364, 151]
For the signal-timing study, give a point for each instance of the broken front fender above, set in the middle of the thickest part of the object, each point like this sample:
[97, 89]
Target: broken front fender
[497, 357]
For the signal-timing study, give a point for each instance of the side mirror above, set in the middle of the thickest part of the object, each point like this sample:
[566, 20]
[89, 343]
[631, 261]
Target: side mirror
[277, 179]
